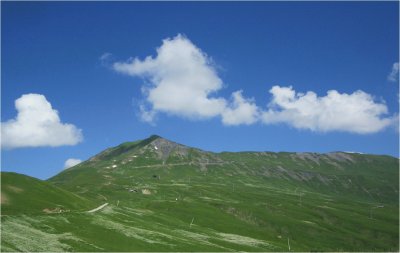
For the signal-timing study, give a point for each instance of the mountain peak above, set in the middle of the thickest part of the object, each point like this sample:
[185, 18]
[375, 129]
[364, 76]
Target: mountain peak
[154, 143]
[163, 147]
[155, 136]
[157, 142]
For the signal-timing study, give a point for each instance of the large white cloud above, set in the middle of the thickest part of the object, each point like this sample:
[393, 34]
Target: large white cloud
[356, 112]
[394, 74]
[183, 81]
[37, 124]
[71, 162]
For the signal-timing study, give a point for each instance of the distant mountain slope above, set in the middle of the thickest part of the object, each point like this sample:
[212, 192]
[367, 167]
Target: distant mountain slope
[158, 195]
[22, 194]
[370, 177]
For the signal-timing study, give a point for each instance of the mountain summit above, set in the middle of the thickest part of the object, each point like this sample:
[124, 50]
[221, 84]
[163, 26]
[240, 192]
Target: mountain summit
[160, 146]
[158, 195]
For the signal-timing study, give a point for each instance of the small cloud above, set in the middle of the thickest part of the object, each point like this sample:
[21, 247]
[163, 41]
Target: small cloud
[147, 115]
[394, 74]
[355, 113]
[105, 56]
[71, 162]
[37, 124]
[240, 111]
[106, 59]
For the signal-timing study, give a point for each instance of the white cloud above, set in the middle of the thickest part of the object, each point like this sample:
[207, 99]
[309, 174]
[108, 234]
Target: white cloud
[105, 59]
[37, 124]
[182, 82]
[147, 115]
[356, 112]
[71, 162]
[105, 56]
[241, 111]
[394, 74]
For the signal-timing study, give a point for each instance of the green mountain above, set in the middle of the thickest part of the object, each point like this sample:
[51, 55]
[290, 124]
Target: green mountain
[158, 195]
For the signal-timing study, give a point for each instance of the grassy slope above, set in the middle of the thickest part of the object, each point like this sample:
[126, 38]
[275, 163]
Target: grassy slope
[237, 201]
[26, 195]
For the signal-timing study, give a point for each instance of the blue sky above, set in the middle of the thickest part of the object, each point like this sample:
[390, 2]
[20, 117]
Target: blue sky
[54, 49]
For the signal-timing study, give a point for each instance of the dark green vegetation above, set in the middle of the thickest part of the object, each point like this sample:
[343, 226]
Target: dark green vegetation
[163, 196]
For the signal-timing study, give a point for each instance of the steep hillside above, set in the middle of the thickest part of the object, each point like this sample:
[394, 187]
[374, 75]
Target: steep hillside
[164, 196]
[22, 194]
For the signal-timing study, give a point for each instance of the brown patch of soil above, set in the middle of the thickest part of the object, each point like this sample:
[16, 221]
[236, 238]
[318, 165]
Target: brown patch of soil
[4, 199]
[14, 189]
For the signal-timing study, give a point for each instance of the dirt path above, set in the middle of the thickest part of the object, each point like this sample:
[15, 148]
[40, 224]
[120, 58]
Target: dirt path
[176, 164]
[98, 208]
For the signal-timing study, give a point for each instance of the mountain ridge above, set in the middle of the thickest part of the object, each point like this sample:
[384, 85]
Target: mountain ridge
[154, 137]
[129, 145]
[156, 152]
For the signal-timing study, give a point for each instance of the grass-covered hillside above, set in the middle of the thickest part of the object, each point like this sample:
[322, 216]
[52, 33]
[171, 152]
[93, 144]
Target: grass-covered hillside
[157, 195]
[22, 194]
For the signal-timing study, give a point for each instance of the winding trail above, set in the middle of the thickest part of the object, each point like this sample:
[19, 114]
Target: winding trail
[98, 208]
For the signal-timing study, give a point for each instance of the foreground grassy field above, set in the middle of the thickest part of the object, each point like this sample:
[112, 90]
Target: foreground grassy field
[163, 196]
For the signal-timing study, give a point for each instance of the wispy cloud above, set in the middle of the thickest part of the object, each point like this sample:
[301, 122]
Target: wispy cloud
[71, 162]
[106, 59]
[37, 124]
[394, 74]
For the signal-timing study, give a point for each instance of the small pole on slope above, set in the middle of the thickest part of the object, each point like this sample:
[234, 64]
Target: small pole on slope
[117, 202]
[288, 243]
[190, 226]
[370, 211]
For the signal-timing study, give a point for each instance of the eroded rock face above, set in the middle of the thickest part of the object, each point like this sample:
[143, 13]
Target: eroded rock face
[340, 157]
[308, 156]
[333, 158]
[289, 174]
[165, 147]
